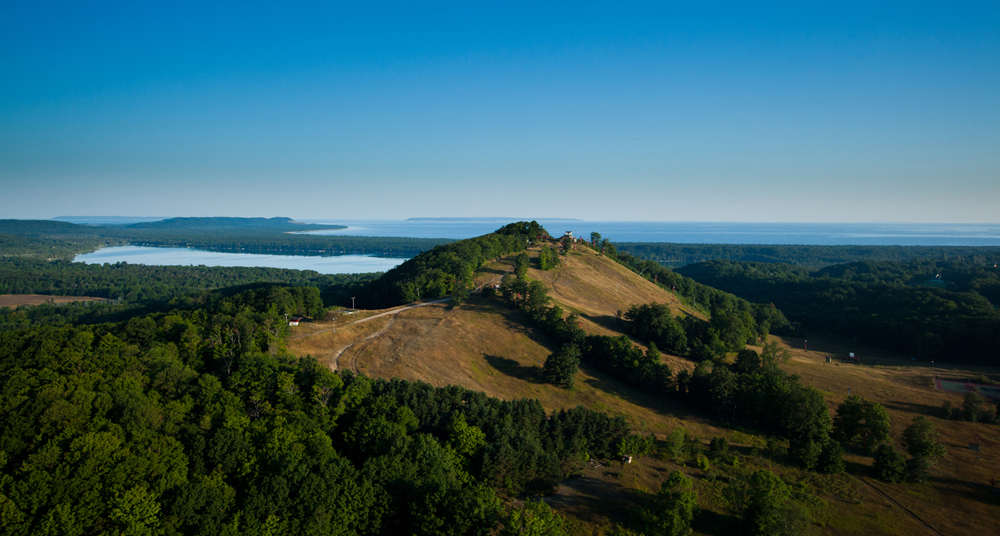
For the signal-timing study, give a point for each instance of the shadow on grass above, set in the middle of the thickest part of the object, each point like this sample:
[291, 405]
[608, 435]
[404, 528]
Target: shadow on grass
[658, 403]
[514, 369]
[592, 498]
[972, 491]
[606, 321]
[920, 409]
[860, 469]
[709, 522]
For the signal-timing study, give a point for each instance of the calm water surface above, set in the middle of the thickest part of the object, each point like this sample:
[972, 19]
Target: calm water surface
[867, 234]
[338, 264]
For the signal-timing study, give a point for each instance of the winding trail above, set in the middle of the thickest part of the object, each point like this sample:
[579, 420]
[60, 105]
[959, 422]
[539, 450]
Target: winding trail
[354, 365]
[336, 357]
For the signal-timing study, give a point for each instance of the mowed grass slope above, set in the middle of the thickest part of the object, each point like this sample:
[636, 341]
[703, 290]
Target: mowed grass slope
[487, 346]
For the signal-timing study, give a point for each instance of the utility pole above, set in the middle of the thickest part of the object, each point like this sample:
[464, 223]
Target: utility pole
[352, 302]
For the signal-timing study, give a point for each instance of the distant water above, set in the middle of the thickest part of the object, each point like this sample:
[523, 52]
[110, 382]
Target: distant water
[869, 234]
[338, 264]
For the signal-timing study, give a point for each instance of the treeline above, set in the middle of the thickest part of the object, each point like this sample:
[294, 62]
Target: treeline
[753, 391]
[134, 290]
[246, 235]
[977, 275]
[45, 248]
[141, 283]
[197, 422]
[276, 243]
[879, 304]
[49, 239]
[812, 257]
[447, 268]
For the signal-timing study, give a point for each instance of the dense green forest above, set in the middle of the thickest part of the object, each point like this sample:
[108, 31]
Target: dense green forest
[932, 310]
[137, 289]
[195, 421]
[54, 239]
[812, 257]
[178, 410]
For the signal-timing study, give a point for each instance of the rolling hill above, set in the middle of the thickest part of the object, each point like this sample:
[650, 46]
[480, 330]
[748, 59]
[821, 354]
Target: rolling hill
[487, 345]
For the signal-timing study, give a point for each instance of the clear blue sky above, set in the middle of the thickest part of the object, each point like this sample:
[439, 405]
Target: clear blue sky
[721, 112]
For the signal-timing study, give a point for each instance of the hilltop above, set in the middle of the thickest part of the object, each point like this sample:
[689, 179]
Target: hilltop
[487, 346]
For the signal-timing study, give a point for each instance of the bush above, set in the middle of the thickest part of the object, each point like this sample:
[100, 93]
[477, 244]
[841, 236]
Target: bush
[718, 448]
[918, 469]
[831, 460]
[703, 462]
[674, 444]
[562, 365]
[806, 453]
[889, 464]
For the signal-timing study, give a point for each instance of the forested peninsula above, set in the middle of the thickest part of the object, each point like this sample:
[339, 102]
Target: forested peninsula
[280, 236]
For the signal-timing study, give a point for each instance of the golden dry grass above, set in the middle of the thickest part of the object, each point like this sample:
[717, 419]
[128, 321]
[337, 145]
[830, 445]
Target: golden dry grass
[596, 287]
[484, 345]
[956, 499]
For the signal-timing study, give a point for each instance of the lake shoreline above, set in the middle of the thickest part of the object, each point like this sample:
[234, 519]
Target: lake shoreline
[188, 256]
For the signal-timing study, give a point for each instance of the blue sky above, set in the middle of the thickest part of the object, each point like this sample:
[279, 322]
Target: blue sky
[718, 112]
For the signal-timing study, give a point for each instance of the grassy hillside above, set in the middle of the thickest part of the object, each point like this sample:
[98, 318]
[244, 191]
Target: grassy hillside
[488, 346]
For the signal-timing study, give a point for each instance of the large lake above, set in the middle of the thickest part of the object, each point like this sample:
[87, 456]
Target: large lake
[338, 264]
[868, 234]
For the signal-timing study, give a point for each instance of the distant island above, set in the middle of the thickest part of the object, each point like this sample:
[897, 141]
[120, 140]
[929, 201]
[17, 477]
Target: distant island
[210, 223]
[285, 224]
[489, 219]
[107, 220]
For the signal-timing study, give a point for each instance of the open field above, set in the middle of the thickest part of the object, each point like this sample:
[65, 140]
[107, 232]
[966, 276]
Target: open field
[956, 499]
[486, 346]
[16, 300]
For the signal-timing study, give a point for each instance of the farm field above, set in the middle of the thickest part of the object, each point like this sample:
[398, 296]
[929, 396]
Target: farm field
[17, 300]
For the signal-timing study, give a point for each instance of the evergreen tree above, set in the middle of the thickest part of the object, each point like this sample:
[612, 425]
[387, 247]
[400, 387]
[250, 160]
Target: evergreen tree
[831, 459]
[889, 464]
[920, 439]
[673, 507]
[766, 495]
[521, 265]
[561, 366]
[974, 407]
[860, 420]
